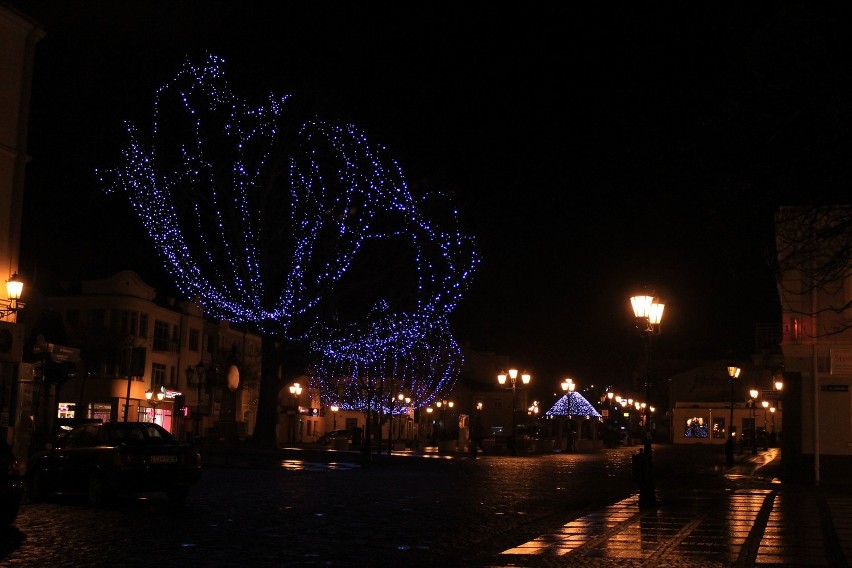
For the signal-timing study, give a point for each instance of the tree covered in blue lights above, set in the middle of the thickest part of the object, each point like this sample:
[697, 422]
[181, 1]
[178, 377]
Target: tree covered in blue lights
[573, 404]
[304, 230]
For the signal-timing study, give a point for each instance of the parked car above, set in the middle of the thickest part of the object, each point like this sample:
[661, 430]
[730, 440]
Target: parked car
[329, 437]
[101, 460]
[11, 485]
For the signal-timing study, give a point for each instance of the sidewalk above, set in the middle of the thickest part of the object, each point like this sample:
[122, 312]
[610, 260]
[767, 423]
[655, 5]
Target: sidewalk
[752, 520]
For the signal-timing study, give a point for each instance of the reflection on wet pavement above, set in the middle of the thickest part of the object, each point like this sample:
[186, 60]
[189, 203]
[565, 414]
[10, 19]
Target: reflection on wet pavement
[744, 527]
[301, 465]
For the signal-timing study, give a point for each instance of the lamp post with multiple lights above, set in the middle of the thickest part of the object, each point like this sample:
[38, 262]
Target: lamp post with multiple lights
[405, 408]
[648, 311]
[155, 397]
[512, 377]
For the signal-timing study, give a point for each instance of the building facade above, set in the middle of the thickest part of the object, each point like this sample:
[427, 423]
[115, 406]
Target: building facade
[815, 287]
[18, 38]
[141, 359]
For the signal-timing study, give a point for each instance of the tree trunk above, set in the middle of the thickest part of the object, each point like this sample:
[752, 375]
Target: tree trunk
[267, 404]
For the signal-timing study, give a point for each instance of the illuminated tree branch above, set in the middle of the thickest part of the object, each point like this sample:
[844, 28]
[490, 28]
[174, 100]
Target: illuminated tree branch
[274, 223]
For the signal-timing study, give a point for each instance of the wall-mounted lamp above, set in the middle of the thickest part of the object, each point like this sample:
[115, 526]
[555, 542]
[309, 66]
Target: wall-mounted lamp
[14, 288]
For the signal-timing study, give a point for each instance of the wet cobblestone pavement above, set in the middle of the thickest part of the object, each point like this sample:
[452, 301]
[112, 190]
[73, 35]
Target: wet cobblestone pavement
[751, 525]
[320, 508]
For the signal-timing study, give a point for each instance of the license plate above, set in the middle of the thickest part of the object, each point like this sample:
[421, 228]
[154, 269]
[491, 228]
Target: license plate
[163, 459]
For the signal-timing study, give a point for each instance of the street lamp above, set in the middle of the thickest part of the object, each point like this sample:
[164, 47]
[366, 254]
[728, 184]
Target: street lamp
[295, 391]
[443, 431]
[648, 311]
[404, 406]
[772, 413]
[752, 401]
[733, 373]
[765, 405]
[513, 377]
[155, 398]
[569, 386]
[334, 409]
[14, 288]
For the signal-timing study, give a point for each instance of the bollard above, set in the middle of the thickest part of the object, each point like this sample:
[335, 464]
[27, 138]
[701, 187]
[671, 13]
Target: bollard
[639, 465]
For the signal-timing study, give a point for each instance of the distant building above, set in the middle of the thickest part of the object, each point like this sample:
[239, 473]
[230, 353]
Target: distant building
[707, 423]
[132, 343]
[702, 399]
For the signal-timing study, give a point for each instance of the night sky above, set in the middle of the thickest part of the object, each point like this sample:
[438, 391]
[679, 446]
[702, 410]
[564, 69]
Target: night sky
[591, 150]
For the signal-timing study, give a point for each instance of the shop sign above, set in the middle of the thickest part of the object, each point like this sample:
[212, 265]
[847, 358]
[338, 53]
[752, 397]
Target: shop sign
[841, 361]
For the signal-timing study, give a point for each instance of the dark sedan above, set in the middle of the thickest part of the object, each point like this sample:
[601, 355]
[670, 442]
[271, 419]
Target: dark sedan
[101, 460]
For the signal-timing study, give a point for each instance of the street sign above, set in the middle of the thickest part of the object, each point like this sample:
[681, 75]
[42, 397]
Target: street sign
[58, 353]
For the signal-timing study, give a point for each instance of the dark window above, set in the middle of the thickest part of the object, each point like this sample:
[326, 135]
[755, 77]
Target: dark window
[161, 336]
[97, 319]
[115, 321]
[143, 325]
[194, 336]
[72, 317]
[129, 323]
[158, 374]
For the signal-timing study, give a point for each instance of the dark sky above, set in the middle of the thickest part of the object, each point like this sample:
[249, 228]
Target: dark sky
[592, 150]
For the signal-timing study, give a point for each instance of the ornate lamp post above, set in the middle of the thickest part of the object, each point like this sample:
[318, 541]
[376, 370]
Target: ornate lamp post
[779, 387]
[334, 409]
[444, 443]
[568, 386]
[772, 413]
[765, 405]
[404, 406]
[295, 391]
[14, 289]
[648, 311]
[155, 397]
[733, 373]
[513, 377]
[752, 402]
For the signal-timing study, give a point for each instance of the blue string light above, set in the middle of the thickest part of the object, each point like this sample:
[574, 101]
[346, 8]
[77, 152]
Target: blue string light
[260, 223]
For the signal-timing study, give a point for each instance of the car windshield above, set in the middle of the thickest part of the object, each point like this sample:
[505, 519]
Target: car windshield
[135, 434]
